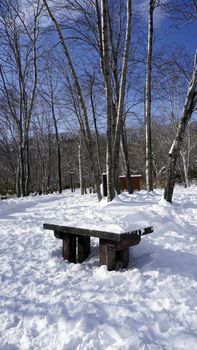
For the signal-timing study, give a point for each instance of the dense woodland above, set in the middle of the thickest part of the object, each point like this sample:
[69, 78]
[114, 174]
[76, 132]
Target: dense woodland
[93, 86]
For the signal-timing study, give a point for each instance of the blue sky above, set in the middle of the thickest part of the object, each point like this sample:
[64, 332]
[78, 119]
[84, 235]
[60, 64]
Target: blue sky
[170, 32]
[184, 35]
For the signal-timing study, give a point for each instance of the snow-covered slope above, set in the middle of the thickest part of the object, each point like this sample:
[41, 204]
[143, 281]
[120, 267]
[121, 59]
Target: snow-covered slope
[48, 303]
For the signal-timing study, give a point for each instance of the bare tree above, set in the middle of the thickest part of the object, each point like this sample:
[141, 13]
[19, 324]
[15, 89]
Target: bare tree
[149, 172]
[19, 38]
[189, 106]
[86, 127]
[119, 134]
[114, 110]
[109, 98]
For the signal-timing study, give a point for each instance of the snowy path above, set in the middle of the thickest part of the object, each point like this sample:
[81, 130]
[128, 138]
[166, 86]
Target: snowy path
[46, 303]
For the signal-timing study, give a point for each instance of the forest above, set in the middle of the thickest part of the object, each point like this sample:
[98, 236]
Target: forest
[91, 87]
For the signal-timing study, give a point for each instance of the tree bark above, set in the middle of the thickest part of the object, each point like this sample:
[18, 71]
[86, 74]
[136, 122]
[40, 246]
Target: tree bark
[109, 100]
[27, 168]
[189, 106]
[81, 182]
[149, 175]
[95, 127]
[114, 110]
[57, 143]
[119, 121]
[125, 154]
[185, 168]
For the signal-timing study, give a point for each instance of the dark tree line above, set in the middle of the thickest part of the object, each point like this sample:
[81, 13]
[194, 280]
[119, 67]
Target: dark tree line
[44, 161]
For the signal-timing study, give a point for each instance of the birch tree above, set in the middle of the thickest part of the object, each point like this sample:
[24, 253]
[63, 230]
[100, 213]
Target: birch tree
[189, 106]
[147, 117]
[105, 63]
[93, 108]
[114, 123]
[119, 135]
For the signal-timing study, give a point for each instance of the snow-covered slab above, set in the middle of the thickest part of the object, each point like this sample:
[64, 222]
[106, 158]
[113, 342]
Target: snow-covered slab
[98, 233]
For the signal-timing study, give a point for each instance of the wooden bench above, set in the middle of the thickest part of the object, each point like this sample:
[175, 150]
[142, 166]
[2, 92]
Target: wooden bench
[113, 247]
[4, 197]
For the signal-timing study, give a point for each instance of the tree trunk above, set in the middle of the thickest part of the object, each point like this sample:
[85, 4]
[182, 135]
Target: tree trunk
[58, 146]
[95, 128]
[27, 168]
[185, 168]
[119, 122]
[124, 147]
[109, 100]
[81, 182]
[189, 106]
[22, 169]
[113, 136]
[18, 192]
[149, 175]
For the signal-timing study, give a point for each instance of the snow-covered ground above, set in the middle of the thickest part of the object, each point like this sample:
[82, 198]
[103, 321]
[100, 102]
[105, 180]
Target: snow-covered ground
[48, 303]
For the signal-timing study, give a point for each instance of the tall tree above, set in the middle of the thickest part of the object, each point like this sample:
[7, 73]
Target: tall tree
[148, 143]
[115, 108]
[119, 133]
[105, 63]
[189, 106]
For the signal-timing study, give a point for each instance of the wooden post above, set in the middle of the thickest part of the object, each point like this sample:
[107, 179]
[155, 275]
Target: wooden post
[125, 258]
[83, 248]
[69, 248]
[104, 179]
[122, 258]
[102, 252]
[111, 257]
[115, 256]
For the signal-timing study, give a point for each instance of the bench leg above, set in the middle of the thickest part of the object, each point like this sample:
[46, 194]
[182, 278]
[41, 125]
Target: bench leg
[122, 258]
[110, 255]
[102, 252]
[83, 248]
[69, 249]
